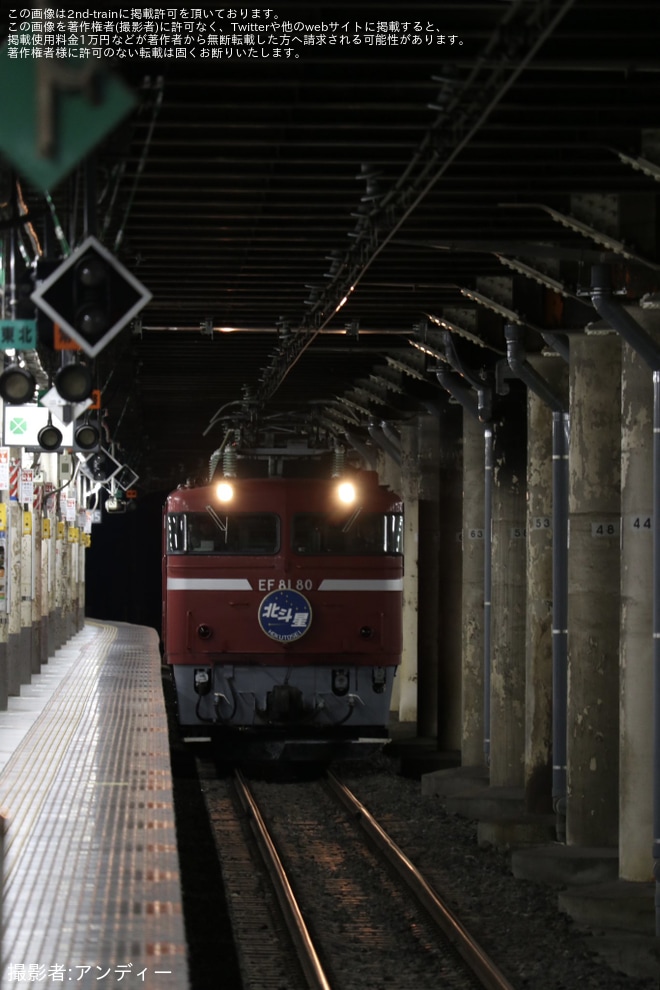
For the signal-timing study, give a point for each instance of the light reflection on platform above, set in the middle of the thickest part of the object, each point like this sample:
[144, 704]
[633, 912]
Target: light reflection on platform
[91, 879]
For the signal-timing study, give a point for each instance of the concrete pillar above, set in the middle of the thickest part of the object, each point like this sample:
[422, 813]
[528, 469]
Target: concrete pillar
[450, 621]
[27, 576]
[410, 493]
[82, 557]
[594, 591]
[36, 596]
[44, 582]
[67, 585]
[60, 579]
[54, 568]
[472, 585]
[428, 575]
[507, 694]
[539, 617]
[4, 594]
[14, 644]
[636, 650]
[4, 666]
[77, 558]
[389, 474]
[74, 550]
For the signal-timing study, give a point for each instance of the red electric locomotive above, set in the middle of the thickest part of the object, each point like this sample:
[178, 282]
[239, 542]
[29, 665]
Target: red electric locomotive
[282, 611]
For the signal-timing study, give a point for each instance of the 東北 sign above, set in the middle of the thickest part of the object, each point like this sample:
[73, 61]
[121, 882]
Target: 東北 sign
[18, 335]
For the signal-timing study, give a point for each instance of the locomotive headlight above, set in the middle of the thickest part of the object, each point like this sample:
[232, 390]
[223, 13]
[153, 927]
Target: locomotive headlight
[225, 491]
[346, 492]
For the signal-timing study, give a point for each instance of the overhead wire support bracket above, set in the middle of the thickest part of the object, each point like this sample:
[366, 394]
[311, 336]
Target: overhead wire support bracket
[522, 31]
[586, 230]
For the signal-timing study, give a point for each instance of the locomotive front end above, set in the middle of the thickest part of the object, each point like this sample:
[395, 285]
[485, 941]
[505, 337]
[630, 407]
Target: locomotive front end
[282, 618]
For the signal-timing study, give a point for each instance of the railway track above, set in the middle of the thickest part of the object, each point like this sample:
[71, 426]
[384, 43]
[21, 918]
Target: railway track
[338, 905]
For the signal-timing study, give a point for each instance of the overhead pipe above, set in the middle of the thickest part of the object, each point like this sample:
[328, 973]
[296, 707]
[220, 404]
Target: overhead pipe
[558, 344]
[481, 409]
[483, 390]
[391, 434]
[365, 453]
[612, 310]
[464, 394]
[379, 437]
[516, 358]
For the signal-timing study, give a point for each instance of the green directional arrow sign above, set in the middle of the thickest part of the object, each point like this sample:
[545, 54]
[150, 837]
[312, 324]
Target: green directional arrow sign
[58, 111]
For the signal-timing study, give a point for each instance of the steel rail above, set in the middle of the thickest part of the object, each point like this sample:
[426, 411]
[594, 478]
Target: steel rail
[471, 952]
[311, 965]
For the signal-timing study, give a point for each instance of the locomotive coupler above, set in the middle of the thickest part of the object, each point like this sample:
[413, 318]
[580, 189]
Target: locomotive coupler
[284, 703]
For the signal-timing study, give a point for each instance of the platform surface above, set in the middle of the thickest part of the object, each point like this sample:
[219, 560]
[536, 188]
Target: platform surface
[91, 870]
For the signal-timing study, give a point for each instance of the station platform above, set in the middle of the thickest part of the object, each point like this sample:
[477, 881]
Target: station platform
[91, 893]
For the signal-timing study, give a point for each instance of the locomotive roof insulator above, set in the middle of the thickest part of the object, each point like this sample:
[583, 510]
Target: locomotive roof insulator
[338, 460]
[229, 461]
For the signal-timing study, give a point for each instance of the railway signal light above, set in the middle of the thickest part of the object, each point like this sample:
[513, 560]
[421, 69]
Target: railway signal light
[91, 296]
[74, 382]
[87, 436]
[100, 466]
[49, 436]
[17, 385]
[91, 299]
[125, 479]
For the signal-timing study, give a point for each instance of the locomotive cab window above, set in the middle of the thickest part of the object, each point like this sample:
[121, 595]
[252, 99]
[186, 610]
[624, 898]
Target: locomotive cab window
[356, 533]
[214, 532]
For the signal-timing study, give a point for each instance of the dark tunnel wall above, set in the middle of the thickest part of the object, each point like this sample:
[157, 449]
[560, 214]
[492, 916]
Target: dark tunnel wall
[123, 565]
